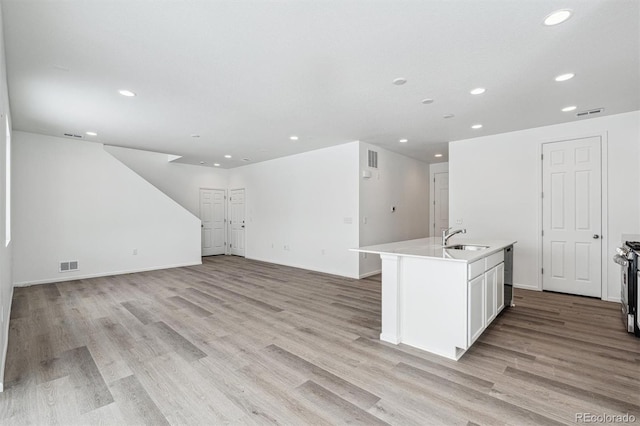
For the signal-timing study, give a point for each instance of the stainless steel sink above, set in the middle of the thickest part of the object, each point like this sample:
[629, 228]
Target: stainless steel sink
[466, 247]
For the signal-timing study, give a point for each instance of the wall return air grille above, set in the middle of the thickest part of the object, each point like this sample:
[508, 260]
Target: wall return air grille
[71, 265]
[373, 159]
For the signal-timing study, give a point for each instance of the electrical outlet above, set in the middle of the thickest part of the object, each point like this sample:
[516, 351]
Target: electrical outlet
[459, 221]
[272, 245]
[322, 252]
[135, 252]
[364, 220]
[286, 247]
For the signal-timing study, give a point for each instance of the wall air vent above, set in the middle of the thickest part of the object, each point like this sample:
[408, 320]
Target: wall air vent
[71, 265]
[73, 135]
[589, 112]
[373, 159]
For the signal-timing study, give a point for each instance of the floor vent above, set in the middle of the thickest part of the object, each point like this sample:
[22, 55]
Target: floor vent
[373, 159]
[590, 112]
[71, 265]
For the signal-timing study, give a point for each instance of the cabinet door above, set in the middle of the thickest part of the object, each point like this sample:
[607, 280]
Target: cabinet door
[491, 283]
[500, 286]
[476, 309]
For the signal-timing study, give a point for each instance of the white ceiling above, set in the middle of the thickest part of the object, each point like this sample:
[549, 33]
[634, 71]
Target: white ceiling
[246, 75]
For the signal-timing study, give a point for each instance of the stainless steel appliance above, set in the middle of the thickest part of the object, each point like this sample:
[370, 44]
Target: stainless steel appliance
[508, 277]
[627, 256]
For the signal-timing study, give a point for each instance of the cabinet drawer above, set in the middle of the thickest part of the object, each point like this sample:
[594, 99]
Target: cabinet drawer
[476, 268]
[494, 259]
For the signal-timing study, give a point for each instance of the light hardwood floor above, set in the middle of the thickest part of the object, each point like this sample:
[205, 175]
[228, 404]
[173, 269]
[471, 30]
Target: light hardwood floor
[236, 341]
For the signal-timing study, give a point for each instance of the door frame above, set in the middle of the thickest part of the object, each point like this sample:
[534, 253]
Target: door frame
[604, 161]
[433, 169]
[228, 214]
[226, 200]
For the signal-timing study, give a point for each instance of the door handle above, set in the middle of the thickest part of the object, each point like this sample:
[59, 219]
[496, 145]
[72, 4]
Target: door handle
[596, 236]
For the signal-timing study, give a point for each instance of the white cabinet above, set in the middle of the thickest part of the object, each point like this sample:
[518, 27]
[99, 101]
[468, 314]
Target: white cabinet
[500, 287]
[485, 294]
[476, 309]
[491, 284]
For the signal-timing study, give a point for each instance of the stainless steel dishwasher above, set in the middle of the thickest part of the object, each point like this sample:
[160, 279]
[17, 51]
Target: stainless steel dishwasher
[508, 277]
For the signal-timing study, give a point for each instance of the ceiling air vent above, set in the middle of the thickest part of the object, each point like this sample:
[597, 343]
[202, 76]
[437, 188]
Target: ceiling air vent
[373, 159]
[72, 135]
[590, 112]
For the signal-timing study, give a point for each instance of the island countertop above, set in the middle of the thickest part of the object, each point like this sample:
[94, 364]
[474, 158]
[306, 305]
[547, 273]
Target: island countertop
[432, 248]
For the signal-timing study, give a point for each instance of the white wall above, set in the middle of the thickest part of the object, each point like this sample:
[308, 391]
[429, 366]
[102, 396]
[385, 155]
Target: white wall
[399, 181]
[6, 250]
[303, 201]
[433, 169]
[77, 202]
[495, 188]
[181, 182]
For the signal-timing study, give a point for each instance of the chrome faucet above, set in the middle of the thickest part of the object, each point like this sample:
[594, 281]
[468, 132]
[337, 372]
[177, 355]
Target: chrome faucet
[446, 234]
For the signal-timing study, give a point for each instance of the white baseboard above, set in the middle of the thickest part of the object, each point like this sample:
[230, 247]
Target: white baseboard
[101, 274]
[613, 299]
[306, 267]
[389, 339]
[6, 342]
[370, 274]
[527, 287]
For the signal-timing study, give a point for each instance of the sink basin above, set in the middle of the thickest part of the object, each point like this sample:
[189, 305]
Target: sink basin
[466, 247]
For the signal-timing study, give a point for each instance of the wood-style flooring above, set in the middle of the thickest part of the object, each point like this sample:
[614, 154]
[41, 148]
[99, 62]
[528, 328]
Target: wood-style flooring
[236, 341]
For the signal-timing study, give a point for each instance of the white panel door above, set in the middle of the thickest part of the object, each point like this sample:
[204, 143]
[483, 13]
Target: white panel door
[571, 217]
[212, 215]
[236, 222]
[440, 202]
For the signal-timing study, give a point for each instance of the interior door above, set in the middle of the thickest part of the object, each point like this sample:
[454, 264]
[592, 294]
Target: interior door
[212, 215]
[440, 202]
[236, 222]
[571, 217]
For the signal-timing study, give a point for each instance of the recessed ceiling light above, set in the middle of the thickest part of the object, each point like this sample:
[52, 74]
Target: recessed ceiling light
[216, 164]
[478, 91]
[427, 101]
[399, 81]
[403, 140]
[128, 93]
[557, 17]
[477, 126]
[91, 133]
[569, 108]
[227, 156]
[438, 155]
[202, 162]
[448, 116]
[565, 77]
[293, 138]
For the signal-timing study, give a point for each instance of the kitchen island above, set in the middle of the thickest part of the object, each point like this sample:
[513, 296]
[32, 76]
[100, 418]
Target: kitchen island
[440, 299]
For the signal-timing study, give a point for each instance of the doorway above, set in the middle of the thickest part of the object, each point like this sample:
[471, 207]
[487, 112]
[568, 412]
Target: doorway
[212, 215]
[236, 222]
[440, 202]
[572, 216]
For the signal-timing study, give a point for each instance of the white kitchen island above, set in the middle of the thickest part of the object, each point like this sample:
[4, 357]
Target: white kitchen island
[440, 299]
